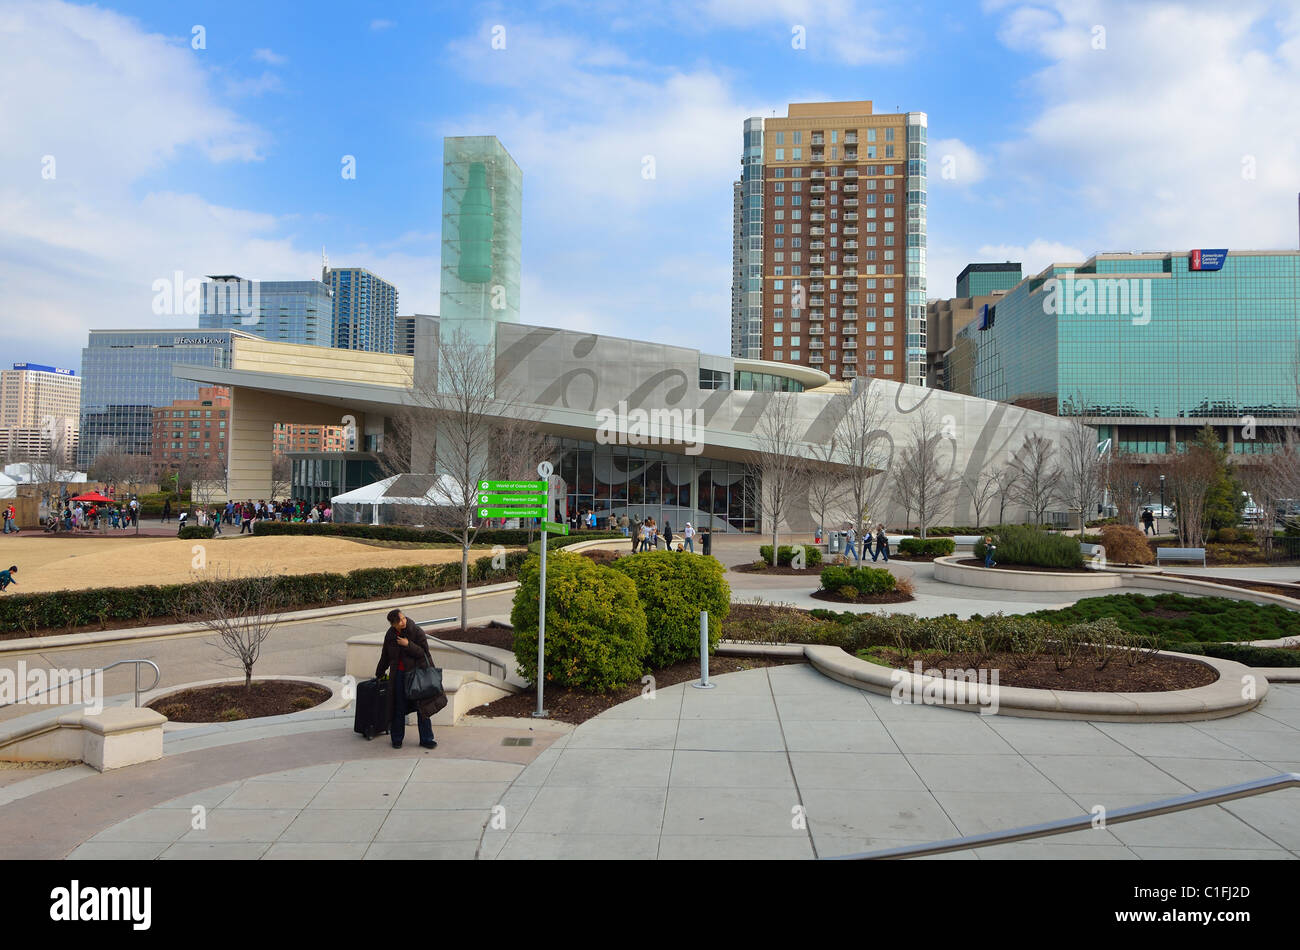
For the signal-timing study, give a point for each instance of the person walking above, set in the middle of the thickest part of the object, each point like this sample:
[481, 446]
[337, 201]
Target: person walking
[866, 542]
[7, 577]
[623, 523]
[216, 521]
[1148, 521]
[135, 512]
[166, 512]
[849, 545]
[688, 537]
[989, 548]
[882, 542]
[9, 519]
[405, 648]
[668, 535]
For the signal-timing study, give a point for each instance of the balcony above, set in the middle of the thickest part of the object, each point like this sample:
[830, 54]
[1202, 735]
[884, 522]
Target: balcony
[818, 173]
[816, 216]
[850, 301]
[850, 258]
[850, 245]
[818, 245]
[849, 288]
[817, 272]
[850, 173]
[848, 314]
[850, 155]
[817, 189]
[850, 331]
[815, 315]
[817, 203]
[849, 359]
[816, 358]
[851, 216]
[850, 202]
[849, 345]
[816, 288]
[819, 140]
[817, 259]
[850, 138]
[816, 345]
[818, 157]
[850, 230]
[850, 189]
[817, 232]
[816, 331]
[816, 302]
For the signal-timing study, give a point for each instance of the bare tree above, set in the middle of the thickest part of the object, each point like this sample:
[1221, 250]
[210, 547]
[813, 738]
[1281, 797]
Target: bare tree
[281, 476]
[982, 486]
[111, 465]
[519, 444]
[922, 478]
[777, 463]
[461, 409]
[826, 484]
[1270, 480]
[1038, 476]
[241, 610]
[1130, 478]
[1081, 465]
[209, 483]
[48, 458]
[1006, 478]
[866, 453]
[1192, 476]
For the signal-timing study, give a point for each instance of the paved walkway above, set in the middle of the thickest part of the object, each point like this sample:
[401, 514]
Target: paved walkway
[780, 762]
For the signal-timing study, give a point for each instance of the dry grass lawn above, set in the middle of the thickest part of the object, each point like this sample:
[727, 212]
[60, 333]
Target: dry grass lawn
[47, 564]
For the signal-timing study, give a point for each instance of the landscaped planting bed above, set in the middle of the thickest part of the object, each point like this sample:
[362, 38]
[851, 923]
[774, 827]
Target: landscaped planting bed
[1176, 619]
[230, 702]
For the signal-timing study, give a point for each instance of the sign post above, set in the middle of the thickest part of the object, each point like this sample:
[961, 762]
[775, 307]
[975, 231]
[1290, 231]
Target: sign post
[544, 471]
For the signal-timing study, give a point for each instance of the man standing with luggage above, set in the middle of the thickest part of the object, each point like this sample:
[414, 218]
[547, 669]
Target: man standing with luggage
[405, 648]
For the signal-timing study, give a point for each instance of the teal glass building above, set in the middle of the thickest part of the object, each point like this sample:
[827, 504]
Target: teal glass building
[482, 237]
[287, 311]
[1146, 347]
[980, 280]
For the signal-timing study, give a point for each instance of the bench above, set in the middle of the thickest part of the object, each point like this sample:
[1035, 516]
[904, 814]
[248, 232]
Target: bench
[1180, 554]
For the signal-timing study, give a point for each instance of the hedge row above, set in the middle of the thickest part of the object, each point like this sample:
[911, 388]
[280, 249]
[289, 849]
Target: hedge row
[191, 531]
[927, 547]
[385, 532]
[29, 613]
[811, 553]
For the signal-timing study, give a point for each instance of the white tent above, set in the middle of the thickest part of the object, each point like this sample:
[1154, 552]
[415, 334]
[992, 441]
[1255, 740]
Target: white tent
[27, 472]
[431, 491]
[8, 487]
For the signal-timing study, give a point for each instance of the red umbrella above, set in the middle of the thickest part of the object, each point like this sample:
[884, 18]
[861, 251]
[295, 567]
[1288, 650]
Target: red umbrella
[94, 496]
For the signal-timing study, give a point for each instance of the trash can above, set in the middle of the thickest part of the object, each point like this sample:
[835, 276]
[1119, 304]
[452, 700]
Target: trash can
[706, 542]
[835, 542]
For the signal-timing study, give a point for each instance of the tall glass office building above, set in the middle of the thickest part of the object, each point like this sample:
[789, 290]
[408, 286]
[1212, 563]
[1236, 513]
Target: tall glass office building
[365, 310]
[285, 311]
[125, 374]
[1147, 347]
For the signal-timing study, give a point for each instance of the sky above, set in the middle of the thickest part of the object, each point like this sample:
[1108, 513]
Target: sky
[142, 139]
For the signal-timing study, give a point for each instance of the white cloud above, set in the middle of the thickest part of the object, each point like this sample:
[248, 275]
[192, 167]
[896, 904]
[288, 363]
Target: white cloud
[953, 162]
[1181, 132]
[112, 105]
[851, 32]
[1033, 257]
[382, 25]
[270, 56]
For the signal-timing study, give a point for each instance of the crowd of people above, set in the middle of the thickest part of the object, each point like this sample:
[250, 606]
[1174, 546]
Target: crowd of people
[244, 515]
[91, 516]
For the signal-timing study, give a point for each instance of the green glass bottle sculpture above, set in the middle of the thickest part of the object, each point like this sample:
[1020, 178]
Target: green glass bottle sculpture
[476, 228]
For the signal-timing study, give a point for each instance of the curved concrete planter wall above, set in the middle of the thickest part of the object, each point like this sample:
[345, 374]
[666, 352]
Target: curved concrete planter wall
[948, 570]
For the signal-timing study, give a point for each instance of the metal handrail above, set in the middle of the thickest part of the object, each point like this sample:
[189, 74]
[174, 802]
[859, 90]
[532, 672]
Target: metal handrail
[157, 675]
[451, 646]
[1083, 822]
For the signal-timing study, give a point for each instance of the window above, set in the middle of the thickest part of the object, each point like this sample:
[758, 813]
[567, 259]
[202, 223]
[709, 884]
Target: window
[796, 138]
[794, 354]
[796, 154]
[888, 355]
[777, 327]
[780, 186]
[776, 355]
[780, 138]
[794, 341]
[780, 155]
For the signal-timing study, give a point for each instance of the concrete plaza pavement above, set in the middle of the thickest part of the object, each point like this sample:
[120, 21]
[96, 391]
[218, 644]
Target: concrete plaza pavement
[779, 762]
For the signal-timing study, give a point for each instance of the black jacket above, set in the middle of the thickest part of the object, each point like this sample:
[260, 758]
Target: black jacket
[414, 656]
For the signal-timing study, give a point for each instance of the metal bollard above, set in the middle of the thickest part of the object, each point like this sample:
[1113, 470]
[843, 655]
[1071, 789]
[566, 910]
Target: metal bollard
[704, 653]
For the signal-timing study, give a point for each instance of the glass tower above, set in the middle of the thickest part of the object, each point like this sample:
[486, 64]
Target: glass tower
[747, 254]
[365, 310]
[482, 208]
[287, 311]
[916, 242]
[125, 374]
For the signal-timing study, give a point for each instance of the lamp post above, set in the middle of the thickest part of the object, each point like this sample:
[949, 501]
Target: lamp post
[1162, 496]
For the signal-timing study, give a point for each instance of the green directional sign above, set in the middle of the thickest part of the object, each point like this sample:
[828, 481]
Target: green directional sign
[555, 526]
[512, 501]
[512, 512]
[491, 486]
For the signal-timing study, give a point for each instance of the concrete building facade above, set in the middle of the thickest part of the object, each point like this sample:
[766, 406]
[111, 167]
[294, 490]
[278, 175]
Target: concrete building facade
[40, 409]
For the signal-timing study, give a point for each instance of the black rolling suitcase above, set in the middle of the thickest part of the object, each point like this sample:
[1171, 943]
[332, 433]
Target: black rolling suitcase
[371, 718]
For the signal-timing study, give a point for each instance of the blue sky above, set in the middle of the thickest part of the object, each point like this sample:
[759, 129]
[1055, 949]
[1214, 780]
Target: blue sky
[1068, 128]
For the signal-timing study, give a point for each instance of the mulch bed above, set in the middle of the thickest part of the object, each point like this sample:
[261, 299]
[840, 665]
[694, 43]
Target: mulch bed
[1157, 675]
[977, 562]
[601, 556]
[576, 706]
[230, 702]
[751, 569]
[891, 598]
[1264, 587]
[503, 637]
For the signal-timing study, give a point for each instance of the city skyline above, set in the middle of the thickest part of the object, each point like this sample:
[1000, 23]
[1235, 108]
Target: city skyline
[1056, 131]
